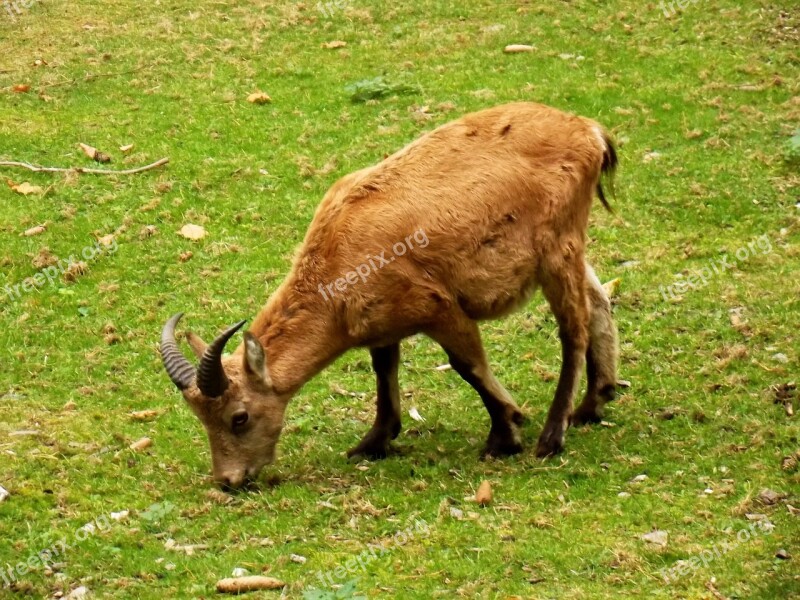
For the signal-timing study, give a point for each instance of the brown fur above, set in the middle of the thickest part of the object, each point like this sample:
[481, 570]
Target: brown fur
[503, 197]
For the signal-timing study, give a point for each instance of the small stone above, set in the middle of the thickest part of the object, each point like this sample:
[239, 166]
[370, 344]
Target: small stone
[639, 478]
[120, 516]
[782, 554]
[657, 537]
[623, 495]
[456, 513]
[78, 593]
[192, 232]
[240, 572]
[298, 559]
[4, 493]
[781, 358]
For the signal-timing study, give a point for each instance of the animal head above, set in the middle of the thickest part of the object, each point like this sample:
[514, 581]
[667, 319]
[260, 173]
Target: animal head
[232, 396]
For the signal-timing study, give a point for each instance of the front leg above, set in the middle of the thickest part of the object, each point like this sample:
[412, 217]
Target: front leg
[387, 425]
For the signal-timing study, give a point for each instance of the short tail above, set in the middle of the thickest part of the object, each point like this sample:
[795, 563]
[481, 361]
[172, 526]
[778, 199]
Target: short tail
[607, 170]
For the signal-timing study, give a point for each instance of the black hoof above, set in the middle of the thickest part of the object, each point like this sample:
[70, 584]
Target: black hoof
[505, 441]
[375, 444]
[551, 442]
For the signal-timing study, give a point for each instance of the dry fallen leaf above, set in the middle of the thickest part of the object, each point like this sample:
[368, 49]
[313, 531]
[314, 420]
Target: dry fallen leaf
[651, 156]
[34, 231]
[75, 270]
[219, 497]
[106, 240]
[239, 585]
[126, 148]
[21, 88]
[141, 444]
[414, 414]
[259, 98]
[192, 232]
[739, 323]
[143, 415]
[147, 231]
[517, 48]
[769, 497]
[189, 549]
[484, 494]
[334, 44]
[94, 153]
[24, 188]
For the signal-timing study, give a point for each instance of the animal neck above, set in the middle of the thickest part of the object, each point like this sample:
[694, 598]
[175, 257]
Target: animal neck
[299, 332]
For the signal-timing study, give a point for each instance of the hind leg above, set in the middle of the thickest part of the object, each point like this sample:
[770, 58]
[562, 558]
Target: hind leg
[564, 286]
[601, 357]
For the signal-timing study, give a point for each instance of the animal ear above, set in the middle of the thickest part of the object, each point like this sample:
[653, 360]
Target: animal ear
[255, 362]
[198, 345]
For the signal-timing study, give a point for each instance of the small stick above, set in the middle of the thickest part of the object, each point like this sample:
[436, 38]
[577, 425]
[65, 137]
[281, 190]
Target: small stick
[89, 77]
[8, 163]
[714, 591]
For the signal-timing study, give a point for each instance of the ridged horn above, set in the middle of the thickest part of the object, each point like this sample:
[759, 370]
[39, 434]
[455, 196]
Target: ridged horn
[180, 370]
[211, 377]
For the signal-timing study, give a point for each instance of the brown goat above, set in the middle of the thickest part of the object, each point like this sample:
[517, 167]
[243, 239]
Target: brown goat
[459, 226]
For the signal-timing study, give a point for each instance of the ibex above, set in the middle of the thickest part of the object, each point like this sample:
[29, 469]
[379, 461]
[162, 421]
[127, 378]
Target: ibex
[487, 208]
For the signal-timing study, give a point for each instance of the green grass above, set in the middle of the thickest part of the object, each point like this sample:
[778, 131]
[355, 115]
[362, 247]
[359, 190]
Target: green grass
[713, 90]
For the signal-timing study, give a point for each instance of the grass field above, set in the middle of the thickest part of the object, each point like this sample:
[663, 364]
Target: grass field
[703, 103]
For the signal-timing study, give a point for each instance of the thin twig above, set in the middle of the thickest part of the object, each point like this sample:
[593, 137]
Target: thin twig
[90, 77]
[34, 168]
[714, 591]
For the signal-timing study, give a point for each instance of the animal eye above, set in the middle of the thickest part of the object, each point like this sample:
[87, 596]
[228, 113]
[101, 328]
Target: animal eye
[239, 419]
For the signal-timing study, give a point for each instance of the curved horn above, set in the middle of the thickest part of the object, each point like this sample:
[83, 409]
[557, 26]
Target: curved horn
[211, 377]
[180, 370]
